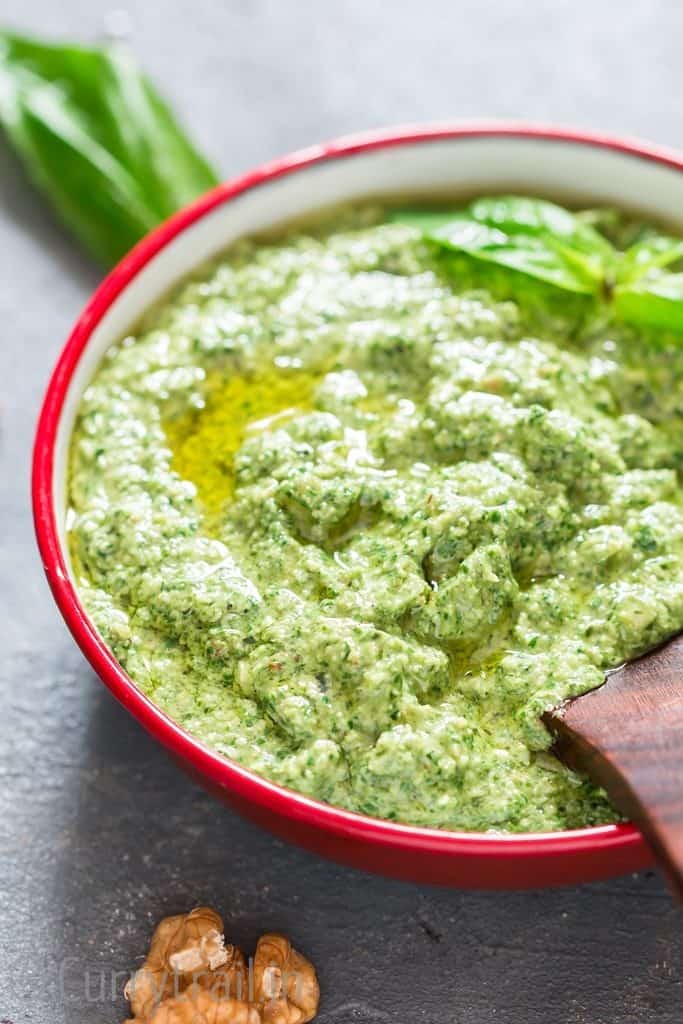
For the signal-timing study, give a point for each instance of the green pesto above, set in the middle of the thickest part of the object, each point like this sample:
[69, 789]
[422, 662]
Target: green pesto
[469, 511]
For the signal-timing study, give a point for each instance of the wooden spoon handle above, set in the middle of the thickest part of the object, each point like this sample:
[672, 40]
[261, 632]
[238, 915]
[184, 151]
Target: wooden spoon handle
[627, 736]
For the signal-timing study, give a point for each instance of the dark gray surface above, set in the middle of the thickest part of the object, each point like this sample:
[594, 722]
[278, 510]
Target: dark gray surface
[99, 834]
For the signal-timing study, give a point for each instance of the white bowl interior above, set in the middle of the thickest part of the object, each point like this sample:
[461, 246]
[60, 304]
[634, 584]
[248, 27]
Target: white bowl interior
[572, 170]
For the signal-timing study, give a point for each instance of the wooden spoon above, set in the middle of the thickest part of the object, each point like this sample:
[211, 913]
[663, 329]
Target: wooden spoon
[627, 736]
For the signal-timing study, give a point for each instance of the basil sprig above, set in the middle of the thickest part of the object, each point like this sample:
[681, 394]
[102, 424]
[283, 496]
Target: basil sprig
[98, 140]
[545, 242]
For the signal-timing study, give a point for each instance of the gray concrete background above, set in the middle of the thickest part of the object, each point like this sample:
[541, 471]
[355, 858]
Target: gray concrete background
[99, 833]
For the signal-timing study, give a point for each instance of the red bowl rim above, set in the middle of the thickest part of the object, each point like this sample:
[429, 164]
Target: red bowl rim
[220, 770]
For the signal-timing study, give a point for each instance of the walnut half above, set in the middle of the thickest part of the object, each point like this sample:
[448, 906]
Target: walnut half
[191, 976]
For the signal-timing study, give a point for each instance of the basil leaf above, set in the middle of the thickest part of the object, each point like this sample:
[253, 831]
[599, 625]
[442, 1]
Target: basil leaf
[649, 254]
[532, 255]
[525, 216]
[655, 301]
[97, 140]
[92, 193]
[530, 236]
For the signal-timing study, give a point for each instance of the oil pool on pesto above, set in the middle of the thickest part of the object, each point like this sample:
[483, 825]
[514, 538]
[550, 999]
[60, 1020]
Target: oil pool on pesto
[354, 507]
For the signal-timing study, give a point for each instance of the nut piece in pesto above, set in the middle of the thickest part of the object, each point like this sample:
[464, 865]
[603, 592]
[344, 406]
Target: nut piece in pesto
[355, 512]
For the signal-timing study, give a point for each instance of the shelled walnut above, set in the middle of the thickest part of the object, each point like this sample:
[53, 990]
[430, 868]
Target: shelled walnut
[192, 976]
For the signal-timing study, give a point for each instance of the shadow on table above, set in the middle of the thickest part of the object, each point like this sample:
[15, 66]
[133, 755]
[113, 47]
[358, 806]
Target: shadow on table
[146, 842]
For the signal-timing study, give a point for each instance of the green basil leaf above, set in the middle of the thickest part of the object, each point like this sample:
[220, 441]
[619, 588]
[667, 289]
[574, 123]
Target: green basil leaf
[167, 165]
[94, 195]
[655, 301]
[530, 236]
[531, 255]
[521, 215]
[98, 140]
[649, 254]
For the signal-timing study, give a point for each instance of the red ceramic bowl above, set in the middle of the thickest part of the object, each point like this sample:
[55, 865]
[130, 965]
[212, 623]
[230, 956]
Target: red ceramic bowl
[457, 158]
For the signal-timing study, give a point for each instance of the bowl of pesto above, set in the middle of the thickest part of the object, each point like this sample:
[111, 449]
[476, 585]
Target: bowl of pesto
[355, 467]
